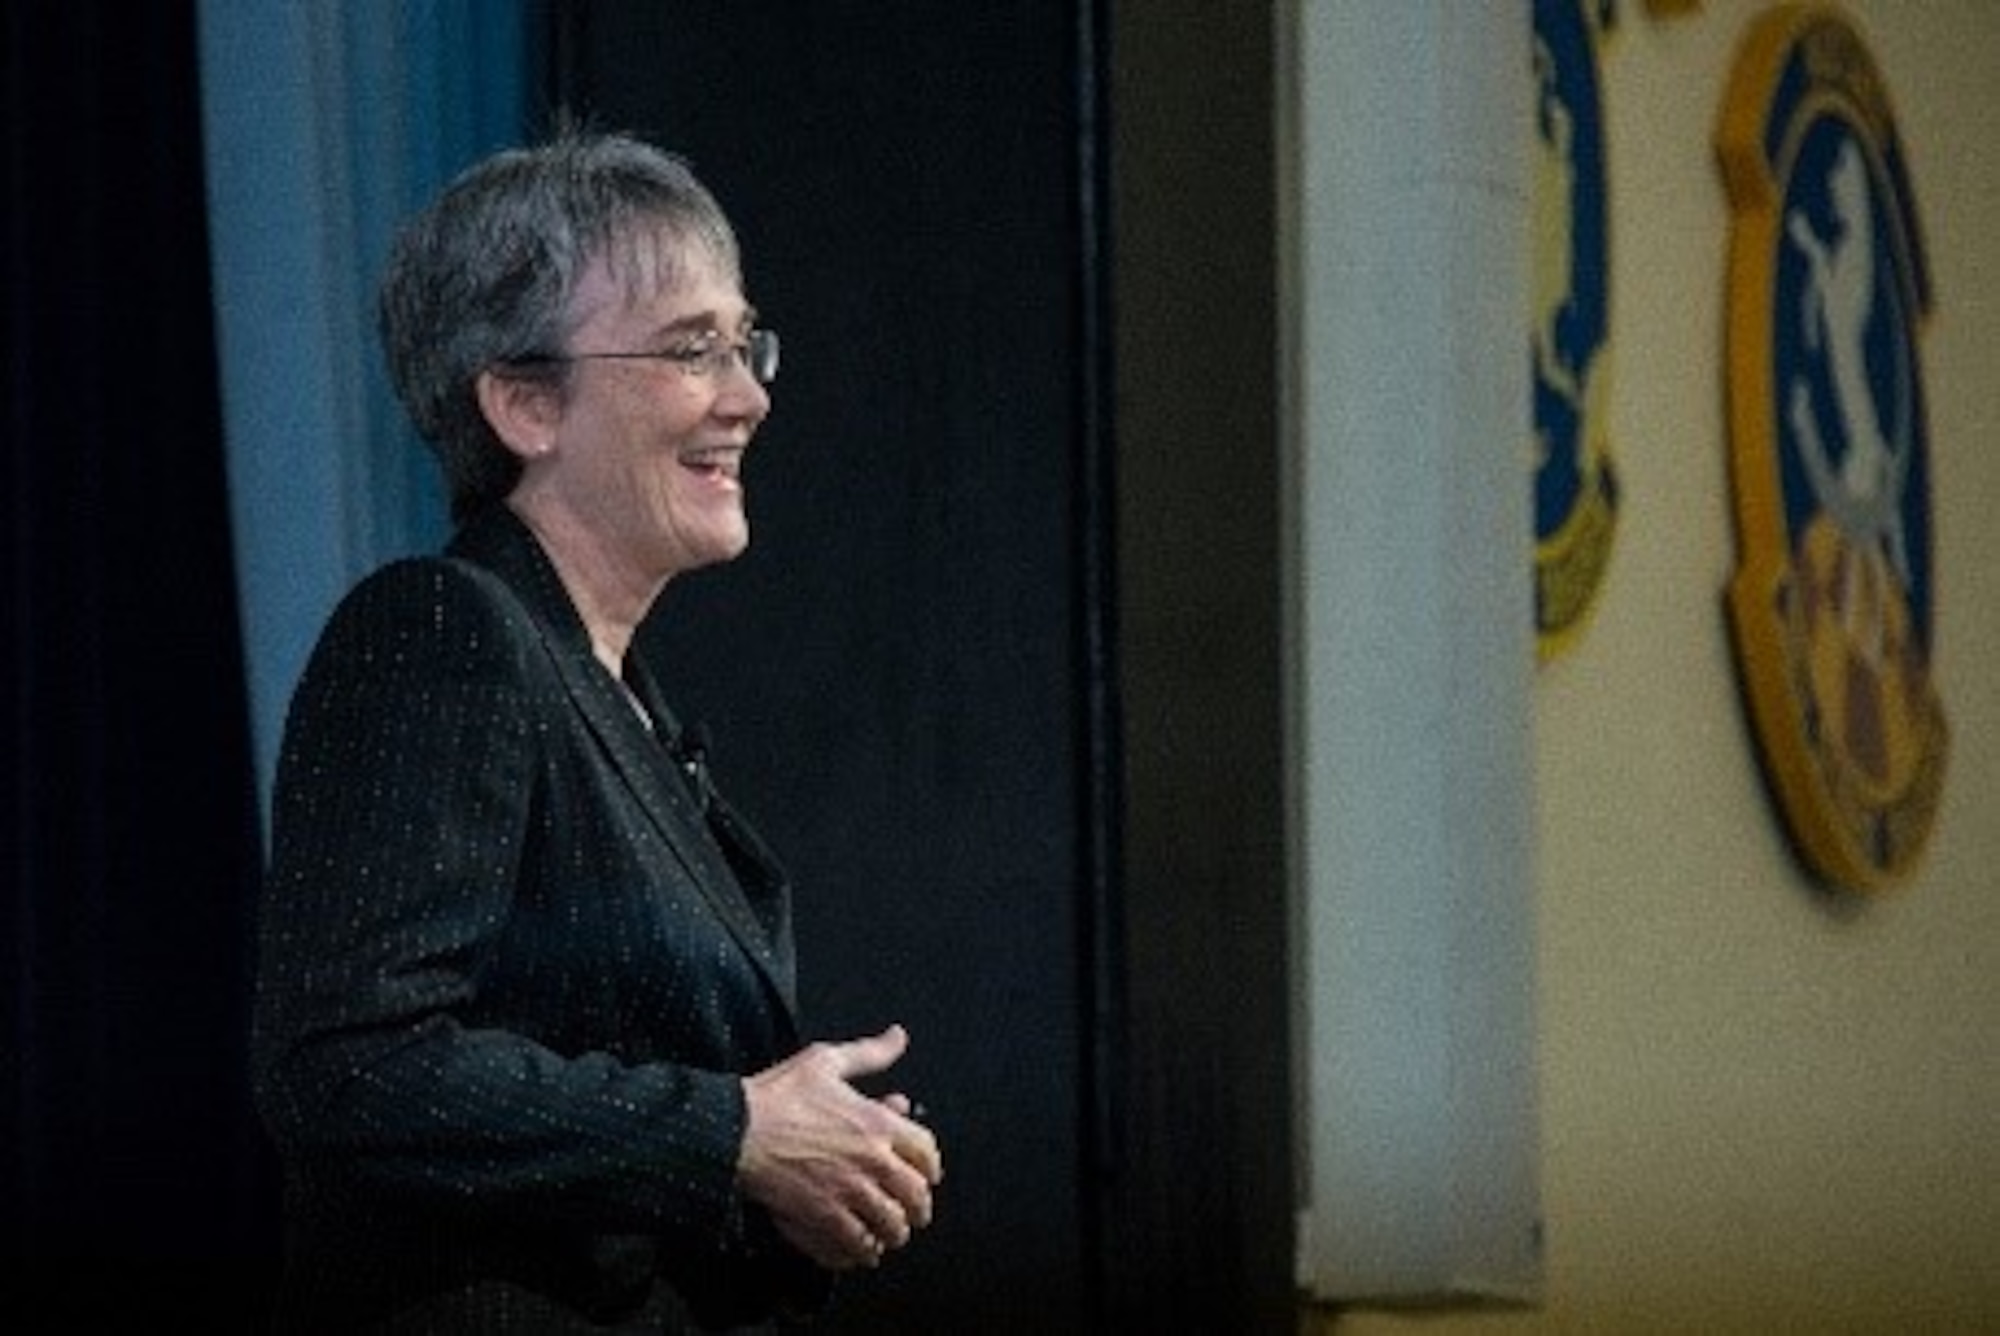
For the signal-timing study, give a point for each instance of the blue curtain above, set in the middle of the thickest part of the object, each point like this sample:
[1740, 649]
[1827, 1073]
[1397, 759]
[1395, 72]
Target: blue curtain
[326, 122]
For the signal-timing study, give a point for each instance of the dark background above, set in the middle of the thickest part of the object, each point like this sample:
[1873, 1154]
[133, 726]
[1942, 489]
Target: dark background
[896, 675]
[964, 563]
[132, 1178]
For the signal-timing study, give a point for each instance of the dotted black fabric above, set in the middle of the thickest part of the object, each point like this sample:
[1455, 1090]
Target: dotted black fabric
[510, 972]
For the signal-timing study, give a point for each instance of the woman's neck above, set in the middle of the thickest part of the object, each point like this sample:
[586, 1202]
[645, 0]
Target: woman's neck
[611, 602]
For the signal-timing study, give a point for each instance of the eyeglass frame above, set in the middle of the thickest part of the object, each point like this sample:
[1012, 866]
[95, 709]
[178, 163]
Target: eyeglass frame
[706, 358]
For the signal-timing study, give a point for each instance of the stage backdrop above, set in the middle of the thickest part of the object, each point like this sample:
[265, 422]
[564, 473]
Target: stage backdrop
[904, 675]
[132, 1189]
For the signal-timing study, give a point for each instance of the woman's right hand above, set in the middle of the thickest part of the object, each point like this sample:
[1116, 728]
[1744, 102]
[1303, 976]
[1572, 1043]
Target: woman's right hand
[847, 1177]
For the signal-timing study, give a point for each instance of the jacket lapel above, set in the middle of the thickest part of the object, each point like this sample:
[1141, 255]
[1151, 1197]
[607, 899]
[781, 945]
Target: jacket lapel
[503, 545]
[754, 869]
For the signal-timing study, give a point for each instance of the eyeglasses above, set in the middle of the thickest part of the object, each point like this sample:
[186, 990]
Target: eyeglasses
[706, 357]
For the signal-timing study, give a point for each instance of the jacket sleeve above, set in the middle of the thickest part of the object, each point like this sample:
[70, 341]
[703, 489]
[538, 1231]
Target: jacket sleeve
[403, 802]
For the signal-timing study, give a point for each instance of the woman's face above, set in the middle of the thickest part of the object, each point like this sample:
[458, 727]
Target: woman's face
[648, 452]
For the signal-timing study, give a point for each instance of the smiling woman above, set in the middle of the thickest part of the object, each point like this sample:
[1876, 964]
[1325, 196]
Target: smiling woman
[526, 1031]
[630, 462]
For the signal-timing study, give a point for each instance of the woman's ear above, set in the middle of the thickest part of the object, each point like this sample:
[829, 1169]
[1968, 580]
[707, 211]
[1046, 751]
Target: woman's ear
[522, 412]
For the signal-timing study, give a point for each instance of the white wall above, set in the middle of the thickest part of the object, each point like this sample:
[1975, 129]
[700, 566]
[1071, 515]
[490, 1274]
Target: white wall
[1764, 1107]
[1412, 711]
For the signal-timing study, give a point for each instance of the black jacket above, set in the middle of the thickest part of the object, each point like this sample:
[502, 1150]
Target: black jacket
[513, 961]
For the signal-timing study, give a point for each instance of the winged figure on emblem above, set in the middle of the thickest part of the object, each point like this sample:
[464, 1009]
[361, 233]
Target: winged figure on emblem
[1862, 491]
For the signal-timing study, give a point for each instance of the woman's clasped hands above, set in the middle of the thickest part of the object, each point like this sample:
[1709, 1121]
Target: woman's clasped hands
[847, 1177]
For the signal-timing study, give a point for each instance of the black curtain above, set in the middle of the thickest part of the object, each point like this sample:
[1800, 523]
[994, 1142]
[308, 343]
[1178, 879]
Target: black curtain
[134, 1188]
[908, 677]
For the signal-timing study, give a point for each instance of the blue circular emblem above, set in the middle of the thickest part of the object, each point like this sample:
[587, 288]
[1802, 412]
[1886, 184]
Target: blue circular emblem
[1832, 603]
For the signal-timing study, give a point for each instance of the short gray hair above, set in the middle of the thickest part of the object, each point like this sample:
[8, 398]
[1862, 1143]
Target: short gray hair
[484, 277]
